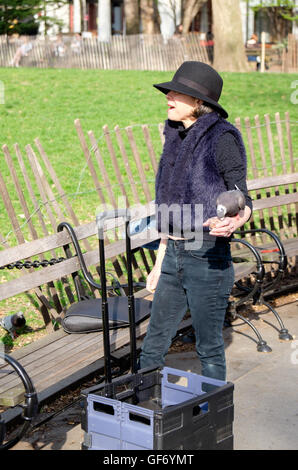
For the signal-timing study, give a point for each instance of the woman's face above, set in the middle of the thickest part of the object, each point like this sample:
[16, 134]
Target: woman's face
[181, 107]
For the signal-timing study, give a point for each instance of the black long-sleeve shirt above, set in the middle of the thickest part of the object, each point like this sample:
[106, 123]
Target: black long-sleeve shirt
[229, 163]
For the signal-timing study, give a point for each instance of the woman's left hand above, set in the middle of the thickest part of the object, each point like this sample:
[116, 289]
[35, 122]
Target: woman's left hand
[223, 228]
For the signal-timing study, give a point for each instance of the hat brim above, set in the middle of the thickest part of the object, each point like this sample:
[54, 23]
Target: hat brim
[180, 88]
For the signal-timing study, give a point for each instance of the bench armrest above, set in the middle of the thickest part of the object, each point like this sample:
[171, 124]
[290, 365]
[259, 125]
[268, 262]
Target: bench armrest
[79, 254]
[87, 276]
[260, 272]
[283, 260]
[282, 254]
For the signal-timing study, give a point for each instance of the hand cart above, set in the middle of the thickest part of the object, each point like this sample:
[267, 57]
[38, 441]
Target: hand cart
[153, 408]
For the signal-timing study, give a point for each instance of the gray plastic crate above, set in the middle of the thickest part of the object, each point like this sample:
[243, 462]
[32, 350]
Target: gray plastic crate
[172, 412]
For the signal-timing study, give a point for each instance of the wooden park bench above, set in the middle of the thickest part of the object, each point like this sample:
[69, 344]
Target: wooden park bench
[272, 182]
[58, 359]
[272, 185]
[287, 225]
[277, 254]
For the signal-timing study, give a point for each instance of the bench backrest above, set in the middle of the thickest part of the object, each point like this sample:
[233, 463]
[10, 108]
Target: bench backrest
[271, 172]
[275, 204]
[23, 281]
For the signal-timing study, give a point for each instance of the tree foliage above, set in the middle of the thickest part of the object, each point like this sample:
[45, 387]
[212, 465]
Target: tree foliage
[279, 15]
[284, 8]
[17, 16]
[24, 16]
[44, 15]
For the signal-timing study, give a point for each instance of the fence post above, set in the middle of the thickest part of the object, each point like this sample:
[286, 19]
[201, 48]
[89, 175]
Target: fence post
[2, 93]
[263, 36]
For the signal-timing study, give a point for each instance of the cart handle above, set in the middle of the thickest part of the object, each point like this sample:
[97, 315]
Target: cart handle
[100, 220]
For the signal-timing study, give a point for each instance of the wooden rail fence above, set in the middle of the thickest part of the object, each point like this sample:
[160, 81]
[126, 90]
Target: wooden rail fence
[133, 52]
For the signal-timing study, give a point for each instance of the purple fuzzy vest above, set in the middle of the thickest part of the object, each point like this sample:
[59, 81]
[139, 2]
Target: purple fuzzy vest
[187, 175]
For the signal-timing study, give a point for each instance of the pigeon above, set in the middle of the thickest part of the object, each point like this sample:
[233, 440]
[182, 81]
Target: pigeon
[229, 203]
[12, 322]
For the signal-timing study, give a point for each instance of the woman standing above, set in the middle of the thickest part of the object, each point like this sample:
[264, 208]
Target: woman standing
[203, 155]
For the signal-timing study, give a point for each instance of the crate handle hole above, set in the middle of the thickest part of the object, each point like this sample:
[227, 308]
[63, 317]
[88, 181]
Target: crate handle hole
[103, 408]
[139, 419]
[196, 410]
[178, 379]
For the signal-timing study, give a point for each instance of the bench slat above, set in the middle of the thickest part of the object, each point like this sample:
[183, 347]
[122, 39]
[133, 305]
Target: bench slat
[43, 245]
[275, 201]
[41, 368]
[72, 363]
[270, 181]
[66, 267]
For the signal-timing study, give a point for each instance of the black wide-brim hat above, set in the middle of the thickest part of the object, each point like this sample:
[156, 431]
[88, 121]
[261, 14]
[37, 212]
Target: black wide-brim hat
[199, 80]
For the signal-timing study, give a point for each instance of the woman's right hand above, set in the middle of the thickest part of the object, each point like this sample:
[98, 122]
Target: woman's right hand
[153, 278]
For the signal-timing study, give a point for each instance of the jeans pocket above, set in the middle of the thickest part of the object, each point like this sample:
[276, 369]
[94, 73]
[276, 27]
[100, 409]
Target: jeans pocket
[214, 262]
[202, 256]
[212, 254]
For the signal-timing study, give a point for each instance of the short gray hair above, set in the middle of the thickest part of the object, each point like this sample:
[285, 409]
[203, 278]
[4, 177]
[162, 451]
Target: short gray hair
[201, 110]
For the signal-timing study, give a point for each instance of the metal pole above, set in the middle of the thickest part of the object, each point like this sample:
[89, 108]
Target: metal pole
[105, 313]
[131, 303]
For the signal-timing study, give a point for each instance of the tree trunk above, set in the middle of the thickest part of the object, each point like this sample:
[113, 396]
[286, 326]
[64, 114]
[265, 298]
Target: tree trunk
[190, 9]
[149, 17]
[82, 14]
[132, 17]
[279, 27]
[229, 51]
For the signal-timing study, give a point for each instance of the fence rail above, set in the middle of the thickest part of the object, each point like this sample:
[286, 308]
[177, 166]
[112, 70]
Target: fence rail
[134, 52]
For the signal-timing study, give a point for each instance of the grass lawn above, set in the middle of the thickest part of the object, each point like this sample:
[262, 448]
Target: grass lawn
[44, 103]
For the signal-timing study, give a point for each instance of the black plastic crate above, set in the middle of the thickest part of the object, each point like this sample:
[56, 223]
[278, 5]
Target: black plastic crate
[158, 409]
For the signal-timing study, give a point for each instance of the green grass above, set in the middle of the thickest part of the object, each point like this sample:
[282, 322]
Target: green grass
[44, 103]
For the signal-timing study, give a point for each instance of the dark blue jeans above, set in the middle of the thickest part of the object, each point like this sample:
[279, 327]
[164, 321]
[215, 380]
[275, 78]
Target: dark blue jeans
[199, 280]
